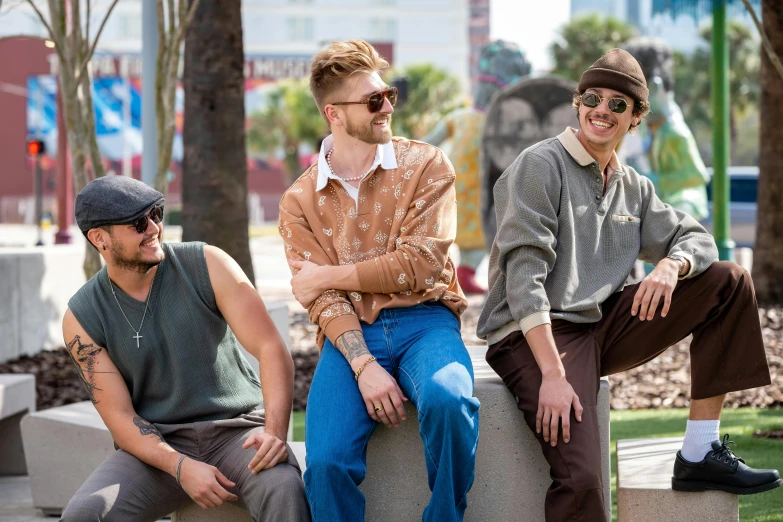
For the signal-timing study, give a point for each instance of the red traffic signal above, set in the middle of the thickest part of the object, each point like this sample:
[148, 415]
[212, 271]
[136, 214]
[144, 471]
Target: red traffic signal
[35, 147]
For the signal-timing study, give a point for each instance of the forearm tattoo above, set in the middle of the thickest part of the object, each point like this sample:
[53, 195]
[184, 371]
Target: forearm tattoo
[351, 344]
[83, 357]
[147, 428]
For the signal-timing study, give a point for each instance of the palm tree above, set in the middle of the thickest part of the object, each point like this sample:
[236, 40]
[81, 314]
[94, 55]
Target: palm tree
[289, 119]
[693, 83]
[585, 39]
[214, 188]
[768, 254]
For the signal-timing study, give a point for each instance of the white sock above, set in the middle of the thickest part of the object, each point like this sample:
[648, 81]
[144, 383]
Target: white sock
[698, 439]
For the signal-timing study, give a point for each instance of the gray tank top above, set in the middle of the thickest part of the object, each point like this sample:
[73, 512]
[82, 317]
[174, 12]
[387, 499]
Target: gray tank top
[188, 366]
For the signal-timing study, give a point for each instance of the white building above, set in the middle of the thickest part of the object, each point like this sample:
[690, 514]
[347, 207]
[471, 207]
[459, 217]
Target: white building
[434, 31]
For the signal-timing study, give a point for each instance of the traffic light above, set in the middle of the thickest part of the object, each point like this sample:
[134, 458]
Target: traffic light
[35, 148]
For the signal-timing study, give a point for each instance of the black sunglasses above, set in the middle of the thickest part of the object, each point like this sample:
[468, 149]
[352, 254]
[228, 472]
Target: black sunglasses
[616, 105]
[156, 215]
[375, 101]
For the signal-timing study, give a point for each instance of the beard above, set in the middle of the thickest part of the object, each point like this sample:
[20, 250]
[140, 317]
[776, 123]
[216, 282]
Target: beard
[134, 263]
[368, 133]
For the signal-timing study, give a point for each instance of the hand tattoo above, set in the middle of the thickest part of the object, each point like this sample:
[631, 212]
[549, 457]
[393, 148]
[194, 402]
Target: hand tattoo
[351, 344]
[147, 428]
[84, 360]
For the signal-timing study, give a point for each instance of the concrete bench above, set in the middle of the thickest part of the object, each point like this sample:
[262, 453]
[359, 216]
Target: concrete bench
[17, 398]
[63, 446]
[644, 487]
[512, 475]
[36, 284]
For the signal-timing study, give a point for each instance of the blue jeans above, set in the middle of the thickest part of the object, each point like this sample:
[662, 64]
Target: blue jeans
[421, 347]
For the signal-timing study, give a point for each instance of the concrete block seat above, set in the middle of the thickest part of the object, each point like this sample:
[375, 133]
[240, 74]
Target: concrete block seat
[66, 444]
[63, 446]
[17, 398]
[512, 475]
[644, 487]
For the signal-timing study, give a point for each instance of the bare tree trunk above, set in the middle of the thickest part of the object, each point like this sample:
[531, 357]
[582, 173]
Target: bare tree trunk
[768, 253]
[214, 196]
[173, 22]
[74, 48]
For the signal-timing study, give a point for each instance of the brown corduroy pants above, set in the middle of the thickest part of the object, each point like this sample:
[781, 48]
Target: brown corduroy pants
[727, 354]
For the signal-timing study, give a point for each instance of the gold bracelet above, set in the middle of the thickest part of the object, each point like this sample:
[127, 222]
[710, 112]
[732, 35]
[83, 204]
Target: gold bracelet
[361, 368]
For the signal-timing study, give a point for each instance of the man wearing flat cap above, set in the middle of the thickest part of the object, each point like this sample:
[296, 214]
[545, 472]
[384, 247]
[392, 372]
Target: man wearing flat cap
[571, 223]
[155, 336]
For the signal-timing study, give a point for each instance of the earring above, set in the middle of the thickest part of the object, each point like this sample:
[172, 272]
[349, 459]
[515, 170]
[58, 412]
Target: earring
[104, 247]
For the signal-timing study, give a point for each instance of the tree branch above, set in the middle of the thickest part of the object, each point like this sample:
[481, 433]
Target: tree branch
[183, 25]
[773, 57]
[87, 22]
[172, 16]
[161, 21]
[91, 51]
[44, 22]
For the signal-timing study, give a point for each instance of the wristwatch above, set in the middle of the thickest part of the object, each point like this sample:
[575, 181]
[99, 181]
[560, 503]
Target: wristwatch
[680, 259]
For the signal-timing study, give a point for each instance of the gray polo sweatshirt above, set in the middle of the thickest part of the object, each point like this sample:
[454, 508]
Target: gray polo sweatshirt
[563, 246]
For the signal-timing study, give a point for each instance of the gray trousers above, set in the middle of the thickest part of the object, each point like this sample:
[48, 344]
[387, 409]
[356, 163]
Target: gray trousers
[125, 489]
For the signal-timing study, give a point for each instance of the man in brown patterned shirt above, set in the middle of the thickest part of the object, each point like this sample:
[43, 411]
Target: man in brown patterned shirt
[367, 231]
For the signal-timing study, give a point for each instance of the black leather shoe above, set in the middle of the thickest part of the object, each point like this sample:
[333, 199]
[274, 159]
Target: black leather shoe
[724, 471]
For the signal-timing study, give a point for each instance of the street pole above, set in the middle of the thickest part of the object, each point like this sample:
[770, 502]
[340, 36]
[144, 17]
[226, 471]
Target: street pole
[64, 179]
[721, 137]
[39, 198]
[149, 57]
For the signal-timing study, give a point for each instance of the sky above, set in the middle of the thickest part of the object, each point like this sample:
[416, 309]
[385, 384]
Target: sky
[531, 24]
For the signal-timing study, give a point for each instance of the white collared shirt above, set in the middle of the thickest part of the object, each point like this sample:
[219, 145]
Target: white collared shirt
[384, 156]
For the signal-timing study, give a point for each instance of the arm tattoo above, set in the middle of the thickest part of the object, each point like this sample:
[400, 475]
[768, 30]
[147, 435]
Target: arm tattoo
[351, 344]
[84, 359]
[147, 428]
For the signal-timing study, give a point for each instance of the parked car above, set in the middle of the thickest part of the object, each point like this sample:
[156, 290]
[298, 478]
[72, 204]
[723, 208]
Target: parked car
[743, 182]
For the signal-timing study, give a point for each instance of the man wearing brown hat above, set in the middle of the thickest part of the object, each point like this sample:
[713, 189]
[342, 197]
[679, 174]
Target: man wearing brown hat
[571, 223]
[154, 336]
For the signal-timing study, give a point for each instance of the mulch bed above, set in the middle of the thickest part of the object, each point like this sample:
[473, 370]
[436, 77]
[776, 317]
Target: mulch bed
[661, 383]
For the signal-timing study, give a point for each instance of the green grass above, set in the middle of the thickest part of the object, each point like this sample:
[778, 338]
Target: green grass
[299, 417]
[740, 424]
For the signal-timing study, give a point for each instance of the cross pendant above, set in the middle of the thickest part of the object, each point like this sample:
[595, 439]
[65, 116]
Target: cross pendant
[137, 337]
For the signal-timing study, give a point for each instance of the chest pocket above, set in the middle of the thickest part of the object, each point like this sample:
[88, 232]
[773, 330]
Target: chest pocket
[626, 232]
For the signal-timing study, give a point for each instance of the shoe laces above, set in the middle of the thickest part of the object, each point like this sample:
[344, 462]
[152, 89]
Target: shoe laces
[724, 454]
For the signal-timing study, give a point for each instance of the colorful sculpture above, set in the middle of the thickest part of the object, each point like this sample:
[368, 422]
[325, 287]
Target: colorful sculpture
[521, 115]
[459, 135]
[664, 149]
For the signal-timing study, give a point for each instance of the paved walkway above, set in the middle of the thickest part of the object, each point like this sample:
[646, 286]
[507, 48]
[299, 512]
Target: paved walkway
[16, 501]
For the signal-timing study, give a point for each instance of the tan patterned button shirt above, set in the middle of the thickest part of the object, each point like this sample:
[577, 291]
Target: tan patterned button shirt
[397, 235]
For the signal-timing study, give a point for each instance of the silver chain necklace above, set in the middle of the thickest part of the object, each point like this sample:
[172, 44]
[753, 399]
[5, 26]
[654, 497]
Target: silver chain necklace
[146, 303]
[357, 178]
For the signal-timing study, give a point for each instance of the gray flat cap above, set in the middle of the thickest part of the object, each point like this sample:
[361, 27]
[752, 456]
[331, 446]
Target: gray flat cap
[113, 200]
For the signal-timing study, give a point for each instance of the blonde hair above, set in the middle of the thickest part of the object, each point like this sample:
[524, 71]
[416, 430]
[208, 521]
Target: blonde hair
[341, 60]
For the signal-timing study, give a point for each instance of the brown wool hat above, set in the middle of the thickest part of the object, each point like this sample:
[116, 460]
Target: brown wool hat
[617, 70]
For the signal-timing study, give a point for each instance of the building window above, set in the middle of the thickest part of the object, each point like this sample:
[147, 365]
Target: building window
[383, 30]
[300, 29]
